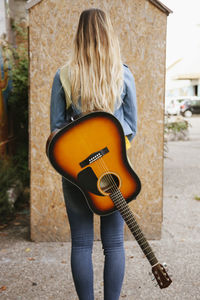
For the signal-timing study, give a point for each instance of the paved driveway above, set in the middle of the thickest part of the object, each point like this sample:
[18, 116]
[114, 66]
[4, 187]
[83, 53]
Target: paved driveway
[41, 271]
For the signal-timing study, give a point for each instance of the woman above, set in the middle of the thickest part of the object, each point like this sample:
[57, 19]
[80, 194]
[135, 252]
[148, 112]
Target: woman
[94, 79]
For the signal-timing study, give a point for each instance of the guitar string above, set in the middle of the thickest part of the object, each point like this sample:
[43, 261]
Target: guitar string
[115, 188]
[102, 166]
[130, 215]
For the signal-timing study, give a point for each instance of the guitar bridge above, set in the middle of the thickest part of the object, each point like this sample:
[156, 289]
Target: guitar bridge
[93, 157]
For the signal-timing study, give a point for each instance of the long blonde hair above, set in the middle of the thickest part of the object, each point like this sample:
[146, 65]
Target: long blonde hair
[96, 70]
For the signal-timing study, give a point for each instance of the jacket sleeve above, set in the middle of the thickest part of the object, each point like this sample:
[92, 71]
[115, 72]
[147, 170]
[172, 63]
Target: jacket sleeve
[58, 104]
[130, 103]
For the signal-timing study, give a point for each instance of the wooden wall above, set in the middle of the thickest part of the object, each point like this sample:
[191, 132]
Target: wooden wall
[141, 28]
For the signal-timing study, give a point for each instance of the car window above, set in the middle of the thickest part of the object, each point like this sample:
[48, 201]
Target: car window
[195, 102]
[180, 100]
[187, 102]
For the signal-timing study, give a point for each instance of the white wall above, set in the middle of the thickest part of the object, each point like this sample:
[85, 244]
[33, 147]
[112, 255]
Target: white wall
[2, 18]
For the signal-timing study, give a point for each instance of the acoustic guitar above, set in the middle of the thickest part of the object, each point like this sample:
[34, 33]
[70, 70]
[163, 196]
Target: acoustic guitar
[90, 152]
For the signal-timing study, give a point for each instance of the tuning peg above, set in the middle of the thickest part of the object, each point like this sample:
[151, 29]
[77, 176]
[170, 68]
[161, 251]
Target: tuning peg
[165, 266]
[167, 269]
[152, 276]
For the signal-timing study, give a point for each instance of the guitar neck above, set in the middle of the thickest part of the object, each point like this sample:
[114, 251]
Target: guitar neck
[128, 216]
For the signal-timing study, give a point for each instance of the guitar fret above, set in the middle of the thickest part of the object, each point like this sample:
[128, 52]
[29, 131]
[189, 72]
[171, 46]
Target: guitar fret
[153, 259]
[137, 232]
[135, 229]
[126, 214]
[142, 242]
[129, 218]
[133, 224]
[150, 253]
[146, 248]
[129, 224]
[145, 242]
[137, 237]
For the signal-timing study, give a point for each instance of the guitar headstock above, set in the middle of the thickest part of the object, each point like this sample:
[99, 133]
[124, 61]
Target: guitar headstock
[161, 276]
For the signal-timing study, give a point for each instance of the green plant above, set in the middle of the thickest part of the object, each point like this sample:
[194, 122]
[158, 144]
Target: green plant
[7, 180]
[14, 171]
[177, 126]
[18, 104]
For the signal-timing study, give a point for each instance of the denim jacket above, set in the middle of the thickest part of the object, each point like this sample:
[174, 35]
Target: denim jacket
[126, 113]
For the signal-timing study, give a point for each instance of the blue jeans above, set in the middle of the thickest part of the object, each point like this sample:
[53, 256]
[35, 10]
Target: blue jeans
[112, 237]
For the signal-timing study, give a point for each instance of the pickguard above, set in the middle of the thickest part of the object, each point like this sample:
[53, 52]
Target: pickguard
[88, 180]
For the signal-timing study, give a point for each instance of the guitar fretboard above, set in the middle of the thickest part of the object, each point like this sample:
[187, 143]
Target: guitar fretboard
[132, 224]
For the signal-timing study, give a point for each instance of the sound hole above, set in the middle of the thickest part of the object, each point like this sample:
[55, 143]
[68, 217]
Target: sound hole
[109, 183]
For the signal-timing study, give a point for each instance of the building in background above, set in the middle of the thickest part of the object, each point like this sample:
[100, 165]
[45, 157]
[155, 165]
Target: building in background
[2, 18]
[183, 75]
[12, 12]
[141, 28]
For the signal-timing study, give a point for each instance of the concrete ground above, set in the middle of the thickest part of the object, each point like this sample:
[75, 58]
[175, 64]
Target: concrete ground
[41, 271]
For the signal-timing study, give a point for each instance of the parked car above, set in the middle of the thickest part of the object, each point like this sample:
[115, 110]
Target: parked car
[172, 105]
[190, 107]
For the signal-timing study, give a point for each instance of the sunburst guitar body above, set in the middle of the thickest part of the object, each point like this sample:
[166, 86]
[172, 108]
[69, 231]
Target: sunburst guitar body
[90, 152]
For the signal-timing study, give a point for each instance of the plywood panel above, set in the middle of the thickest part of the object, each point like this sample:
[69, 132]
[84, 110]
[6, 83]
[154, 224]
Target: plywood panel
[141, 28]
